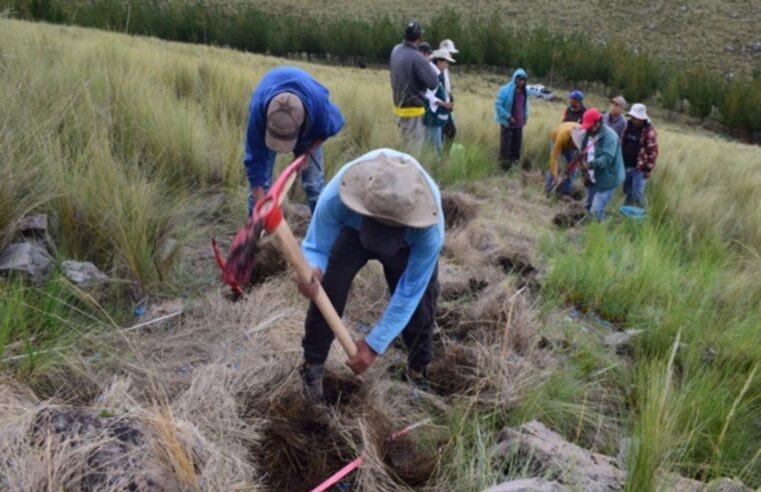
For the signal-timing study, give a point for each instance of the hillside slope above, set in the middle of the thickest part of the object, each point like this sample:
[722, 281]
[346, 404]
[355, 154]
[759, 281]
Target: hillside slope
[133, 148]
[722, 36]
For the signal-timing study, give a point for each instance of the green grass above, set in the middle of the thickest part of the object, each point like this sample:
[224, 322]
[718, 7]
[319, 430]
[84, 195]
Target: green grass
[699, 30]
[562, 53]
[696, 391]
[119, 140]
[39, 324]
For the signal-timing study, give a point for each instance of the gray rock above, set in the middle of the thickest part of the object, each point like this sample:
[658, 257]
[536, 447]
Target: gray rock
[36, 225]
[671, 482]
[83, 274]
[29, 259]
[529, 485]
[572, 465]
[169, 248]
[621, 341]
[726, 485]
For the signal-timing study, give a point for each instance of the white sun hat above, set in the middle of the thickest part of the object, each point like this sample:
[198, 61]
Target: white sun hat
[639, 111]
[448, 45]
[442, 55]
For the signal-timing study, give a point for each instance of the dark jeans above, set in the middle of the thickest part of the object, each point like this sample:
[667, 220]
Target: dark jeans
[347, 257]
[510, 140]
[634, 187]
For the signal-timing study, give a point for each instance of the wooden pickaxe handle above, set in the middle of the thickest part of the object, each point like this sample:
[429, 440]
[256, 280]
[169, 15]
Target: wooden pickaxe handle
[269, 212]
[292, 252]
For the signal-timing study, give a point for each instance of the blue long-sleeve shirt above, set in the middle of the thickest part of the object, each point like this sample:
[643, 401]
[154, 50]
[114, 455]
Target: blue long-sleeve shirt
[323, 118]
[331, 215]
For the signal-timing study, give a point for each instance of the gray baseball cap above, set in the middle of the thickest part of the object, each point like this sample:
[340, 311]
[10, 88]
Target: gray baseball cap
[285, 116]
[620, 101]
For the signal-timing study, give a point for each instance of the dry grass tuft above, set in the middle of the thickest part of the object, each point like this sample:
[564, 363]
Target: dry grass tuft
[459, 208]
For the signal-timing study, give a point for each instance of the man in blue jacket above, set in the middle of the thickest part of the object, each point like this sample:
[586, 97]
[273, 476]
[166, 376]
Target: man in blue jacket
[511, 112]
[604, 159]
[382, 206]
[289, 110]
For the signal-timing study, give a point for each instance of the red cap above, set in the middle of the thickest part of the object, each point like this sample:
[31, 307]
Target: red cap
[591, 116]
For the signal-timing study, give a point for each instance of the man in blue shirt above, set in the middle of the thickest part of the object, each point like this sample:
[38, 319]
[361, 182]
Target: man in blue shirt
[289, 110]
[382, 206]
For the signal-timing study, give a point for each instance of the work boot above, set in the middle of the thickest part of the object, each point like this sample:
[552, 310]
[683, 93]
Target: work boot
[418, 379]
[311, 377]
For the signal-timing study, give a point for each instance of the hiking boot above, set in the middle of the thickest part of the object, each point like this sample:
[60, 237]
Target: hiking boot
[311, 377]
[418, 379]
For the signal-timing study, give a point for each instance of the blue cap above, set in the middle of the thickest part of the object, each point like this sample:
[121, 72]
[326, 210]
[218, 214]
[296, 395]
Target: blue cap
[578, 95]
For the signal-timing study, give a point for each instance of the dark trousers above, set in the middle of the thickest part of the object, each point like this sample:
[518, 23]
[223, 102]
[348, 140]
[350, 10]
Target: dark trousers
[510, 140]
[448, 132]
[347, 257]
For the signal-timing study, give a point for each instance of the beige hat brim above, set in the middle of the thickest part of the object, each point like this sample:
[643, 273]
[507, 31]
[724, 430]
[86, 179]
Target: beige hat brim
[639, 116]
[354, 187]
[278, 144]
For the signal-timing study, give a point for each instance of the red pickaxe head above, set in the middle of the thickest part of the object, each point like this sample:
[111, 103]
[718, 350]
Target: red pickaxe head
[237, 269]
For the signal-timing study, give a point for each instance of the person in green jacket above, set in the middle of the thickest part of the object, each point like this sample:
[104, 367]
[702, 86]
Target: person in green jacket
[604, 162]
[438, 111]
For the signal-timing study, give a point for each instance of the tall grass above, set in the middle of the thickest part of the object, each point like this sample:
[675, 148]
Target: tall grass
[117, 138]
[573, 59]
[37, 324]
[696, 392]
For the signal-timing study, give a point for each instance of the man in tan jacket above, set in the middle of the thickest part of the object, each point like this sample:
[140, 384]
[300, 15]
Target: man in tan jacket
[562, 142]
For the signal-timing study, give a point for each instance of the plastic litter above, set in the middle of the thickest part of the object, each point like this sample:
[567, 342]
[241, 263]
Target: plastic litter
[635, 213]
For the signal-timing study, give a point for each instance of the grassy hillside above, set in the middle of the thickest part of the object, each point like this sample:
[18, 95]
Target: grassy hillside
[718, 35]
[133, 147]
[571, 58]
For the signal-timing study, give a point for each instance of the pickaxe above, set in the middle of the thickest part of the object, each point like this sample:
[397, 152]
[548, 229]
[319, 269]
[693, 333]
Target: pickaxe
[268, 218]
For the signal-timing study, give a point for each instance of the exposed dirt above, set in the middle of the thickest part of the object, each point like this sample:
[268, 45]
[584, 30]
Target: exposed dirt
[574, 215]
[410, 460]
[455, 370]
[269, 258]
[459, 208]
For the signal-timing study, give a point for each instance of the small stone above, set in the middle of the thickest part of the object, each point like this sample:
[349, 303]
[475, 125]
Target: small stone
[168, 249]
[622, 341]
[529, 485]
[28, 259]
[34, 225]
[574, 466]
[83, 274]
[726, 485]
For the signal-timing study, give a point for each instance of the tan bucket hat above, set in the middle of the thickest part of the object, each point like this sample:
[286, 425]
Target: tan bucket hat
[285, 116]
[390, 189]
